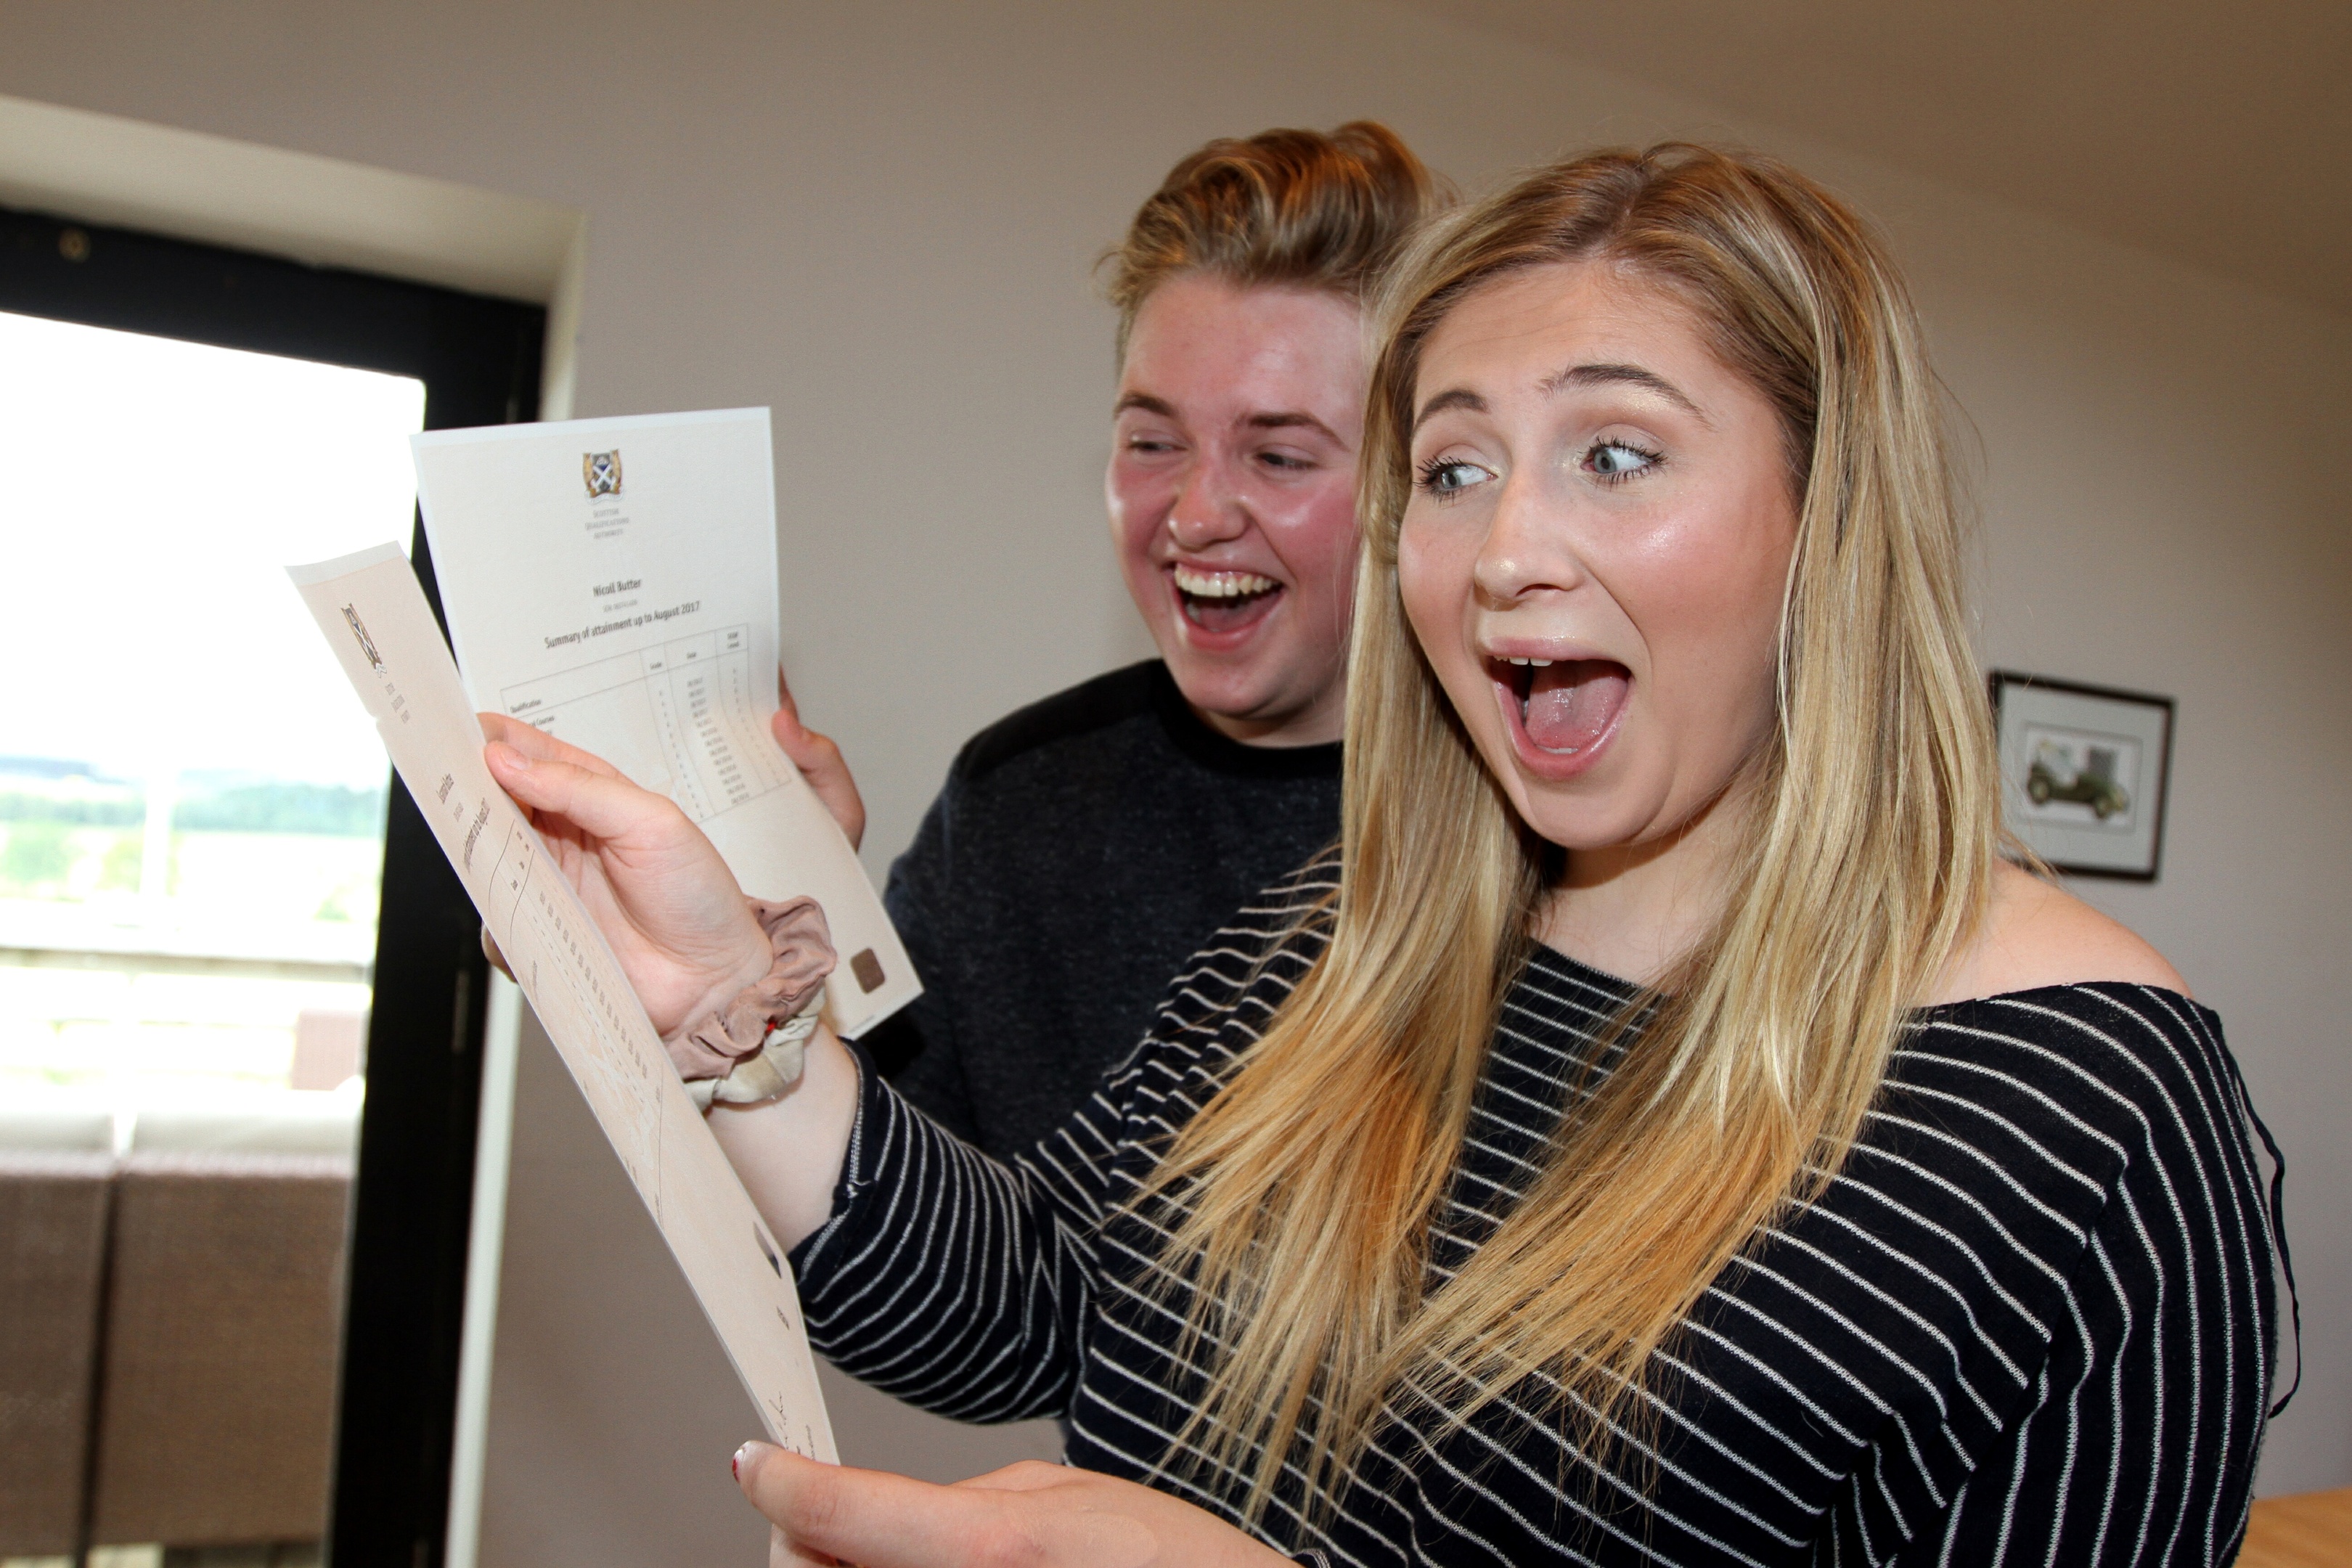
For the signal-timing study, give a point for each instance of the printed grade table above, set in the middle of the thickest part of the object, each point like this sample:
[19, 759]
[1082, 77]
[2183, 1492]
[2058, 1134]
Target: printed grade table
[688, 701]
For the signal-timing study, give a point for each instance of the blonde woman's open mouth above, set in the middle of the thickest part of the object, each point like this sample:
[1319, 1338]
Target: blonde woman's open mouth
[1561, 712]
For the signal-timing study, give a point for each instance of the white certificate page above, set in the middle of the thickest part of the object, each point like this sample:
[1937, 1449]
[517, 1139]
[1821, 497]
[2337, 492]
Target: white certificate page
[613, 582]
[375, 619]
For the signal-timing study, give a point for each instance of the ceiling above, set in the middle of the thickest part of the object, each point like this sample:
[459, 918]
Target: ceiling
[2219, 134]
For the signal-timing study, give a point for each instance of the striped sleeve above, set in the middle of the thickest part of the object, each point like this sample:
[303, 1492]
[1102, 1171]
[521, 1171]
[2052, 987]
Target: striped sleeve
[948, 1279]
[967, 1286]
[2137, 1442]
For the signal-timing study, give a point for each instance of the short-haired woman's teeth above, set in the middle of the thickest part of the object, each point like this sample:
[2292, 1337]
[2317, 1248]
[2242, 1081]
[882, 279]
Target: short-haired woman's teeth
[1221, 585]
[1533, 663]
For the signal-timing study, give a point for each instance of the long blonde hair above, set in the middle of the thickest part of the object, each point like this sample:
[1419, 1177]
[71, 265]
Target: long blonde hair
[1311, 1179]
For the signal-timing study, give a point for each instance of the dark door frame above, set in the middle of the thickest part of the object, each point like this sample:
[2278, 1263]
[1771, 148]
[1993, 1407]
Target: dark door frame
[480, 359]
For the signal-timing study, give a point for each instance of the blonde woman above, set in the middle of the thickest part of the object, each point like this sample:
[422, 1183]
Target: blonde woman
[1669, 1131]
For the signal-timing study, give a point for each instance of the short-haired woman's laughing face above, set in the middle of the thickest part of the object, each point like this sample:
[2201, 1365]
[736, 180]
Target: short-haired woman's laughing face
[1232, 498]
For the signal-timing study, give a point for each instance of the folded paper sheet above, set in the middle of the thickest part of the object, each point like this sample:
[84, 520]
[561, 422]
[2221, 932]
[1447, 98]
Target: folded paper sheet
[375, 619]
[613, 582]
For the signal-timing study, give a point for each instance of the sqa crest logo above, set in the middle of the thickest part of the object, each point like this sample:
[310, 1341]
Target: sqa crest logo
[602, 473]
[367, 643]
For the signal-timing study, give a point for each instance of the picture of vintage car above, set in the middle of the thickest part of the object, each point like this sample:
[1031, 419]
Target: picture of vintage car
[2085, 771]
[2053, 776]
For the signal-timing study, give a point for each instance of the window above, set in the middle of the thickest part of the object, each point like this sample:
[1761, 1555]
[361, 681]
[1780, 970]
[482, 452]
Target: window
[191, 811]
[207, 877]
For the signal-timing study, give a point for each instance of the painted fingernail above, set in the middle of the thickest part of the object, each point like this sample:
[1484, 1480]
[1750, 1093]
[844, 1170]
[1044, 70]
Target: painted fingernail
[735, 1465]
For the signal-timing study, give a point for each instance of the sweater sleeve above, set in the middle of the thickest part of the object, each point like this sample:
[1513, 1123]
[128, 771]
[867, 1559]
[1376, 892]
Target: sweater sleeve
[919, 1048]
[949, 1279]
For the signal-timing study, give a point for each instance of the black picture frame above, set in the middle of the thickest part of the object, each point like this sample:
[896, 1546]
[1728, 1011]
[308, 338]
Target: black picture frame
[2034, 808]
[480, 361]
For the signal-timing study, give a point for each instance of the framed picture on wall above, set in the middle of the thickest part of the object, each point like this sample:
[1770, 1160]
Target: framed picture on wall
[2084, 772]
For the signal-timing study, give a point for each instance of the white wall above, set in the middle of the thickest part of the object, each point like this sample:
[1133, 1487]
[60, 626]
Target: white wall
[879, 220]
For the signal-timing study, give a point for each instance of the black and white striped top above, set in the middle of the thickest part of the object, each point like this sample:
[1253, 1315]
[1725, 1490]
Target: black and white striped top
[2032, 1321]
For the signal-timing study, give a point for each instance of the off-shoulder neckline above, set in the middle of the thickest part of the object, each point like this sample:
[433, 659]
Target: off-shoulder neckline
[1577, 970]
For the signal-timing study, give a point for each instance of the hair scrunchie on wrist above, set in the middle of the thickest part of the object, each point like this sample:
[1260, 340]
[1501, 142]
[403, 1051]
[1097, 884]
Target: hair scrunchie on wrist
[752, 1047]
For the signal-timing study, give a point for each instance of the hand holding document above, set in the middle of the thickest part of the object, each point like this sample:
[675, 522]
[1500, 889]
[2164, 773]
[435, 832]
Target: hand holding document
[374, 616]
[614, 582]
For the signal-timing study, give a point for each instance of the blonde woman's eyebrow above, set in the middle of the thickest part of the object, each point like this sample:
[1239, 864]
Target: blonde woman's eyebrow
[1146, 401]
[1458, 397]
[1622, 376]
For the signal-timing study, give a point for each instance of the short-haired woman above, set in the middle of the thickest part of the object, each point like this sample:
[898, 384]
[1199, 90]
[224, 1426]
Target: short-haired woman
[1669, 1131]
[1082, 846]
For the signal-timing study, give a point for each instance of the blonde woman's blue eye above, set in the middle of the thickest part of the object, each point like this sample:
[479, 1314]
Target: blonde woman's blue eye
[1445, 478]
[1616, 460]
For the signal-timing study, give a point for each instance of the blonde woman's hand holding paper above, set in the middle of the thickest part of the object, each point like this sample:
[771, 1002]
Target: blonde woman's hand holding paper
[1042, 1515]
[687, 942]
[659, 892]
